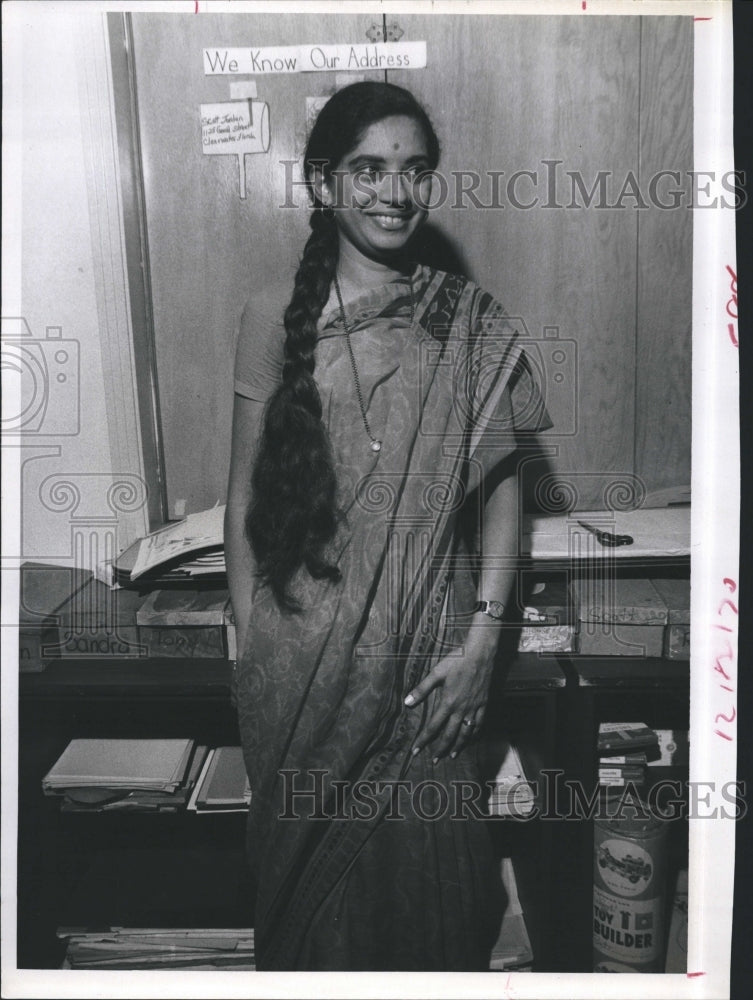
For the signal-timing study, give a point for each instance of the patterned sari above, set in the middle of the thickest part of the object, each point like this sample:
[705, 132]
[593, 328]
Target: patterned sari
[362, 856]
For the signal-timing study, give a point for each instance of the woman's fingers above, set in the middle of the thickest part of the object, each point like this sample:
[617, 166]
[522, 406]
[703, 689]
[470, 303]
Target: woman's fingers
[432, 727]
[426, 686]
[467, 732]
[447, 737]
[448, 731]
[448, 727]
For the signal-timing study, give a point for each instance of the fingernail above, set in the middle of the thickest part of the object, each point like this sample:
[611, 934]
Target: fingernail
[454, 754]
[435, 760]
[410, 700]
[415, 750]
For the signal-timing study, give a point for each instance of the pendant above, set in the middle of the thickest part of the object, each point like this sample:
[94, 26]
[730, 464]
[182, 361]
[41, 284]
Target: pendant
[376, 445]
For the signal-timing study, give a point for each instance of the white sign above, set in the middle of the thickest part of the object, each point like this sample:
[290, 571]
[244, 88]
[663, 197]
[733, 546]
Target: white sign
[315, 58]
[236, 128]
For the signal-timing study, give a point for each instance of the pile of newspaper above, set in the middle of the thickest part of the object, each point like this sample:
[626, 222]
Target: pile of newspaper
[158, 948]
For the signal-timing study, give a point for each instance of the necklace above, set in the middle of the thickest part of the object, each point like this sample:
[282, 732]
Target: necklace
[376, 444]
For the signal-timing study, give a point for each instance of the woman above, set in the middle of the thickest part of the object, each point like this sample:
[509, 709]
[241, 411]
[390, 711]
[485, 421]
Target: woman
[377, 409]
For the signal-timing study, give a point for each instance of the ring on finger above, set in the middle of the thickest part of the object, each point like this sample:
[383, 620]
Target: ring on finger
[468, 722]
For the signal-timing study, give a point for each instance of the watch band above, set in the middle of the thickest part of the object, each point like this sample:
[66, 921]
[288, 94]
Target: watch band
[494, 609]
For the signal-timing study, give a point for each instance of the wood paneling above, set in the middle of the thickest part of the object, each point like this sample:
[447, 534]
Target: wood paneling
[507, 94]
[665, 252]
[208, 249]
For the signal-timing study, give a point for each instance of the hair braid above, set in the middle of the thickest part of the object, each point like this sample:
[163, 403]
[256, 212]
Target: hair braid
[293, 511]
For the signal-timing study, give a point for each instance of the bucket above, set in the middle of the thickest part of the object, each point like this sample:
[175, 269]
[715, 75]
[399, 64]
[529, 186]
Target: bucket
[629, 894]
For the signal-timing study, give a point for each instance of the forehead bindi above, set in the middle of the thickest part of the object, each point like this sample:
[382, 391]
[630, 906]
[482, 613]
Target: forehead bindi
[398, 135]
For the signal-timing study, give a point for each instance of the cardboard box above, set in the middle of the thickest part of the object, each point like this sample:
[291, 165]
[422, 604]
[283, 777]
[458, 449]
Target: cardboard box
[184, 622]
[43, 589]
[618, 617]
[98, 622]
[676, 596]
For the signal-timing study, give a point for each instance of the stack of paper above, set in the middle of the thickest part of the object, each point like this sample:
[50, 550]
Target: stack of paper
[513, 947]
[512, 794]
[152, 948]
[115, 773]
[179, 550]
[223, 784]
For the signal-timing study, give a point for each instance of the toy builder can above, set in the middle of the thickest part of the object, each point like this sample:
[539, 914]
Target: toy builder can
[629, 888]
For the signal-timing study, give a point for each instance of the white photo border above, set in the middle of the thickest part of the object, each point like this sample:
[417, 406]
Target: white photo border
[714, 560]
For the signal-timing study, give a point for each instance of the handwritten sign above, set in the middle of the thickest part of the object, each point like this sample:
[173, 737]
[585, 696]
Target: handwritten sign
[731, 306]
[724, 661]
[235, 128]
[315, 58]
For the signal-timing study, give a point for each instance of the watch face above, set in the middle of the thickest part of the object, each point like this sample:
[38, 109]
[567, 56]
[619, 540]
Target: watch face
[494, 609]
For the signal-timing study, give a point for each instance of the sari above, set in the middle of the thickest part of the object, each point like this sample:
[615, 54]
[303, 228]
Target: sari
[363, 858]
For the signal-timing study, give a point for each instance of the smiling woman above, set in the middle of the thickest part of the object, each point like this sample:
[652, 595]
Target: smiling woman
[376, 412]
[379, 197]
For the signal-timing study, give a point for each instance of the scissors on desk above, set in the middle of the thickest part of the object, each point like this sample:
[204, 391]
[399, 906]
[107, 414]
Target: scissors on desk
[606, 537]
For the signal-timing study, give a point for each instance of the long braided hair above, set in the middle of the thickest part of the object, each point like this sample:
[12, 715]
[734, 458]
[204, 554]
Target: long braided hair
[292, 515]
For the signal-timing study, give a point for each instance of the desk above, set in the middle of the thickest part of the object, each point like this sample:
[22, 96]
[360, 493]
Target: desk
[661, 533]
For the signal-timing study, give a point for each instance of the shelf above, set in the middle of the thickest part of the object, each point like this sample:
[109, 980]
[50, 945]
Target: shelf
[205, 678]
[625, 671]
[136, 678]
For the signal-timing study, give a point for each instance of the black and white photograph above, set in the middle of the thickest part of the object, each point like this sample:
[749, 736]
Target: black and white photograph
[370, 499]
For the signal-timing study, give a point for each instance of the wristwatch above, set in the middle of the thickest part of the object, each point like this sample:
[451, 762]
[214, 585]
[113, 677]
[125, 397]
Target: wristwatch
[493, 609]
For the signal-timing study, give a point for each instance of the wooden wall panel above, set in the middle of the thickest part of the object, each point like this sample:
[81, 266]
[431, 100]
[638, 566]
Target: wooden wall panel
[208, 249]
[508, 93]
[665, 257]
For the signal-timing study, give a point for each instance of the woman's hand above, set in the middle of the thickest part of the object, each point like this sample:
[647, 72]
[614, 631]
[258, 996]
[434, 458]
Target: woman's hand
[461, 686]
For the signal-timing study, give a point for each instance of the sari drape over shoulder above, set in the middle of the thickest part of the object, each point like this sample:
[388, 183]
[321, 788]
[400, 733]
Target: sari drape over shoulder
[356, 870]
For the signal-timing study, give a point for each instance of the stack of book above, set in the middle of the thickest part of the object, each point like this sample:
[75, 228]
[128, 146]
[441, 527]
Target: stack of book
[108, 774]
[622, 769]
[223, 784]
[624, 749]
[158, 948]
